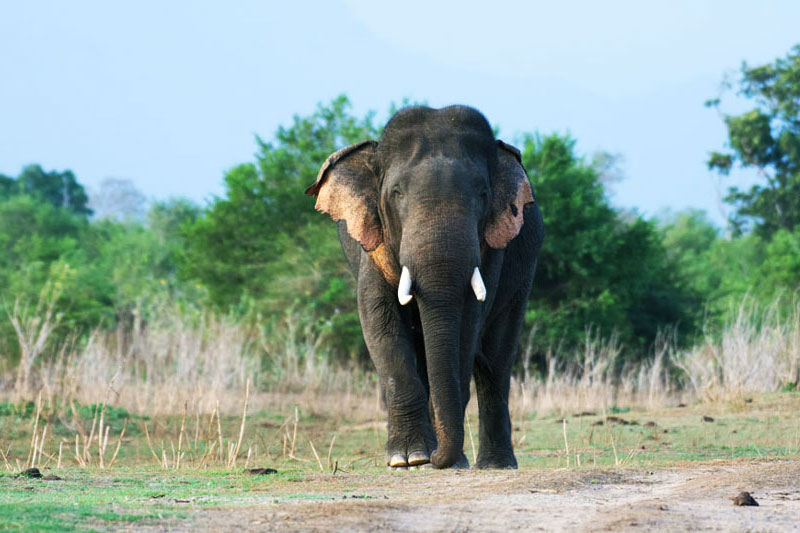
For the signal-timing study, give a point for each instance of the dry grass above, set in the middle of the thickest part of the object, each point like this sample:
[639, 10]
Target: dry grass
[204, 377]
[759, 351]
[205, 362]
[594, 383]
[159, 368]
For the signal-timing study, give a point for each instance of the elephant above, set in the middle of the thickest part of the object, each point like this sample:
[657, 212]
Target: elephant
[439, 225]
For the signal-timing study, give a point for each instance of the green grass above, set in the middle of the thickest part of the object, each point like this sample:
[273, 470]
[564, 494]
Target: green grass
[97, 499]
[81, 499]
[136, 490]
[767, 427]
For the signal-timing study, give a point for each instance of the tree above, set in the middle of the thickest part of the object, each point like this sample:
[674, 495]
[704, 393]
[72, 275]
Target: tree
[32, 236]
[6, 186]
[102, 271]
[41, 244]
[166, 221]
[688, 237]
[766, 138]
[118, 199]
[713, 272]
[598, 267]
[263, 247]
[779, 273]
[59, 189]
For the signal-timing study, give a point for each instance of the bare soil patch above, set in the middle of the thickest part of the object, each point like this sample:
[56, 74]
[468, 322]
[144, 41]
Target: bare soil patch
[681, 498]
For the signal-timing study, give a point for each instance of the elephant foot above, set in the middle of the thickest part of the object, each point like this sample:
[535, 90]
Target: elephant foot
[503, 461]
[416, 458]
[421, 461]
[410, 449]
[461, 464]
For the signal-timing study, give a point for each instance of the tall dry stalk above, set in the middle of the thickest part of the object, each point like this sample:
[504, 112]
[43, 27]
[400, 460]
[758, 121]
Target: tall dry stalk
[33, 328]
[235, 450]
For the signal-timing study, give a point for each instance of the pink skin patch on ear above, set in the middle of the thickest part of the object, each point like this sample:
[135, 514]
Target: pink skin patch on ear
[342, 206]
[507, 225]
[344, 187]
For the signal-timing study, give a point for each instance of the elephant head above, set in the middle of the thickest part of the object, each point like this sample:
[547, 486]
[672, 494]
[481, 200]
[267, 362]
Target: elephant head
[426, 202]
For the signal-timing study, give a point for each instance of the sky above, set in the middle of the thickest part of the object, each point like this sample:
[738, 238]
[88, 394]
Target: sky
[171, 94]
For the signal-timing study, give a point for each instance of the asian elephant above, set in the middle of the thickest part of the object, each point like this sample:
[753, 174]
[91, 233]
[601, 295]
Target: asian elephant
[438, 222]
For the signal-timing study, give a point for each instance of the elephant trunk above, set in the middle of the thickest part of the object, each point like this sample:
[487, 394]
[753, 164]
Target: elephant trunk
[441, 254]
[441, 330]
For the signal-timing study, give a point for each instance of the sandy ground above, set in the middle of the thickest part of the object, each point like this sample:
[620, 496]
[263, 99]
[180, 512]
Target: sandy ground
[696, 498]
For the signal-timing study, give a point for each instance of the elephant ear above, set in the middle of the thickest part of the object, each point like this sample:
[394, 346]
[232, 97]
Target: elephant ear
[511, 192]
[347, 189]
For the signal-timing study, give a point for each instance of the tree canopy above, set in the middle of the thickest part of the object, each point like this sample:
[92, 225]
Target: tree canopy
[767, 139]
[261, 253]
[59, 189]
[599, 267]
[101, 271]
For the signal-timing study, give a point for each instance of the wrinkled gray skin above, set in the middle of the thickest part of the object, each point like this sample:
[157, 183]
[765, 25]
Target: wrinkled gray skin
[431, 195]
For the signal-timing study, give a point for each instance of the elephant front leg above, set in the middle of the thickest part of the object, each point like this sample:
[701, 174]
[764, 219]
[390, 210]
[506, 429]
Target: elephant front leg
[411, 438]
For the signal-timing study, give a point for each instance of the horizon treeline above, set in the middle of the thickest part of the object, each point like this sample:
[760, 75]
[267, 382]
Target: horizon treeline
[262, 254]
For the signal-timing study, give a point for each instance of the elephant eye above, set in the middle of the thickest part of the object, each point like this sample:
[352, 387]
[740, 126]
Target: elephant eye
[397, 193]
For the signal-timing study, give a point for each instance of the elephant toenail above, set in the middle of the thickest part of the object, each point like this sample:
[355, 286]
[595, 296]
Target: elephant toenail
[418, 458]
[398, 460]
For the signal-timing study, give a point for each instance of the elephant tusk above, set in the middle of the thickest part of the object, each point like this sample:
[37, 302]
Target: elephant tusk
[477, 285]
[404, 288]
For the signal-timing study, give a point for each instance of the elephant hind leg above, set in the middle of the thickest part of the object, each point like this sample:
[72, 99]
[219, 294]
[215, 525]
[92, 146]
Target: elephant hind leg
[492, 383]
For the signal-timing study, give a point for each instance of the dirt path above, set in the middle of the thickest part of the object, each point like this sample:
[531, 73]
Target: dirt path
[696, 498]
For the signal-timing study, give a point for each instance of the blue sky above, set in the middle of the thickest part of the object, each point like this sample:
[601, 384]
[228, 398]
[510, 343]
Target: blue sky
[170, 94]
